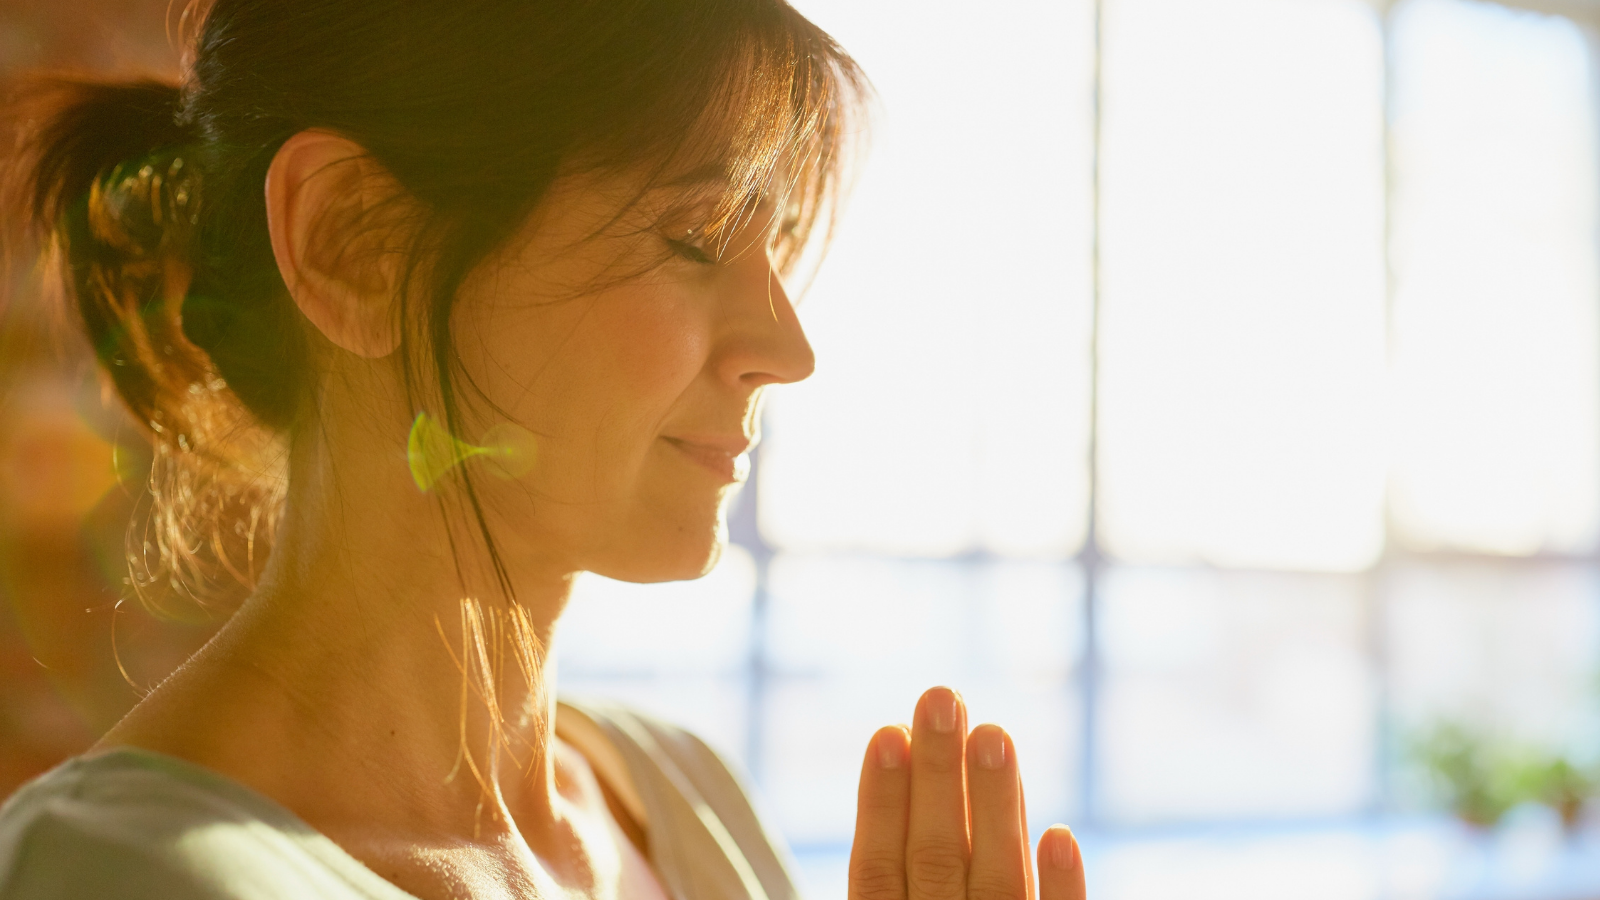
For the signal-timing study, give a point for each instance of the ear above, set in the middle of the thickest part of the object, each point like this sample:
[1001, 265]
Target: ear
[322, 191]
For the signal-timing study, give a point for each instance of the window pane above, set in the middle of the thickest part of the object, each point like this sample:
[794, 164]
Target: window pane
[614, 627]
[949, 408]
[1243, 329]
[1512, 649]
[1234, 695]
[1497, 404]
[855, 641]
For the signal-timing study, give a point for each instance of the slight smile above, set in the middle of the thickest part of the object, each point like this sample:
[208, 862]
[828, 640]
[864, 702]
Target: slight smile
[727, 458]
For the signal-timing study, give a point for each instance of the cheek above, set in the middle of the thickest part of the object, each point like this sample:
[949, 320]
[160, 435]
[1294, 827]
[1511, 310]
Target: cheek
[648, 347]
[595, 378]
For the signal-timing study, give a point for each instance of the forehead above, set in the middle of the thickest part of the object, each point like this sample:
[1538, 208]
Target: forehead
[619, 201]
[755, 182]
[708, 188]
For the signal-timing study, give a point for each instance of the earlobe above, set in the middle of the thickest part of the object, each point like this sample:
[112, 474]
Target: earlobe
[320, 188]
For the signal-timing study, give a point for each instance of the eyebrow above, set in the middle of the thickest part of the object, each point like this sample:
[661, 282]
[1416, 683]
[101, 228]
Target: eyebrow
[703, 174]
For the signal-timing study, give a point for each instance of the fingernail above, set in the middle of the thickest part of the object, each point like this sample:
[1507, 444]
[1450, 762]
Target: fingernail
[991, 747]
[942, 711]
[891, 750]
[1063, 847]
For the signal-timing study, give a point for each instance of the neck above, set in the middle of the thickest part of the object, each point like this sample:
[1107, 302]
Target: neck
[425, 694]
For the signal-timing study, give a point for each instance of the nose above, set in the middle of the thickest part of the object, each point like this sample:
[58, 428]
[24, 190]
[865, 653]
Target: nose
[762, 341]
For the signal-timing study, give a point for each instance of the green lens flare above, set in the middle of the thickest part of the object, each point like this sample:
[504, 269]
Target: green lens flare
[508, 451]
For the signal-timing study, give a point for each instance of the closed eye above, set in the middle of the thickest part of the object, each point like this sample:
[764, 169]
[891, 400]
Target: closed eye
[690, 251]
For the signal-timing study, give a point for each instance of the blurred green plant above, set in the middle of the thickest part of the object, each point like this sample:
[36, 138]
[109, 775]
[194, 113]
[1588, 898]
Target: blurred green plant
[1557, 783]
[1466, 772]
[1478, 776]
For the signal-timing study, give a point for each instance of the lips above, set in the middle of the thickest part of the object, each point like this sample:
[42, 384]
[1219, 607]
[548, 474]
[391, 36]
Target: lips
[727, 458]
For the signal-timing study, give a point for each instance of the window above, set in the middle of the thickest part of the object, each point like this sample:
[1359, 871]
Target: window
[1209, 389]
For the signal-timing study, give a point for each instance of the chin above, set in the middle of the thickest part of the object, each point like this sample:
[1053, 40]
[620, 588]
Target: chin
[672, 550]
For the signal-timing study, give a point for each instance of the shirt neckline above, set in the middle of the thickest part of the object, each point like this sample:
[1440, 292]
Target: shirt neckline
[275, 814]
[253, 803]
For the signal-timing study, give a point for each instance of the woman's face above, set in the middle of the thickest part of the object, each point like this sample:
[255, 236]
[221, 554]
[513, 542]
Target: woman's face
[642, 393]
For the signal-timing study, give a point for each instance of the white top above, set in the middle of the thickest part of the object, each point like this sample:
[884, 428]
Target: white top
[140, 825]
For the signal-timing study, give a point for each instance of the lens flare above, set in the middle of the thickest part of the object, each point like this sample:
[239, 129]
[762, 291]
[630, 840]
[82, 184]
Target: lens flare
[508, 451]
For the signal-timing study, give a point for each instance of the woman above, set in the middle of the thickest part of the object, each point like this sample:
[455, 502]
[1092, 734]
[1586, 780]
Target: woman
[446, 303]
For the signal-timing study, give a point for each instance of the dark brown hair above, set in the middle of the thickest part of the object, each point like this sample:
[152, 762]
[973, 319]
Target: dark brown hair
[150, 195]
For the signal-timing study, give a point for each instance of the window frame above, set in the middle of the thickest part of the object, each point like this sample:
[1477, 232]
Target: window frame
[1093, 562]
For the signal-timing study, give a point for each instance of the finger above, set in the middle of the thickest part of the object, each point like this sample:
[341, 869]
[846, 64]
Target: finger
[1022, 816]
[878, 855]
[1060, 866]
[936, 842]
[999, 867]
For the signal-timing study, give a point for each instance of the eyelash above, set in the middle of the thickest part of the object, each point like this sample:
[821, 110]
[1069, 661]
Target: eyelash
[690, 252]
[696, 254]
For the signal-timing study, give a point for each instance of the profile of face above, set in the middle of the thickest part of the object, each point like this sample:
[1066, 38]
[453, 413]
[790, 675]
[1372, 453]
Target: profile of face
[635, 350]
[628, 328]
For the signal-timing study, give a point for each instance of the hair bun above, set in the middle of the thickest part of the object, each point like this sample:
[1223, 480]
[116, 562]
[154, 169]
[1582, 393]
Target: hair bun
[146, 208]
[105, 172]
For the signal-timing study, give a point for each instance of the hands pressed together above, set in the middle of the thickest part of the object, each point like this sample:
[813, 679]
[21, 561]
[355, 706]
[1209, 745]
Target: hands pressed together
[940, 816]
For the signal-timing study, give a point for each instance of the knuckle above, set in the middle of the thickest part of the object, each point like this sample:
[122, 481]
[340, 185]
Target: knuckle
[936, 763]
[937, 870]
[993, 886]
[882, 805]
[877, 877]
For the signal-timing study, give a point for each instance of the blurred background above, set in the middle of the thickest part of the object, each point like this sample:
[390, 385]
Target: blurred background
[1208, 389]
